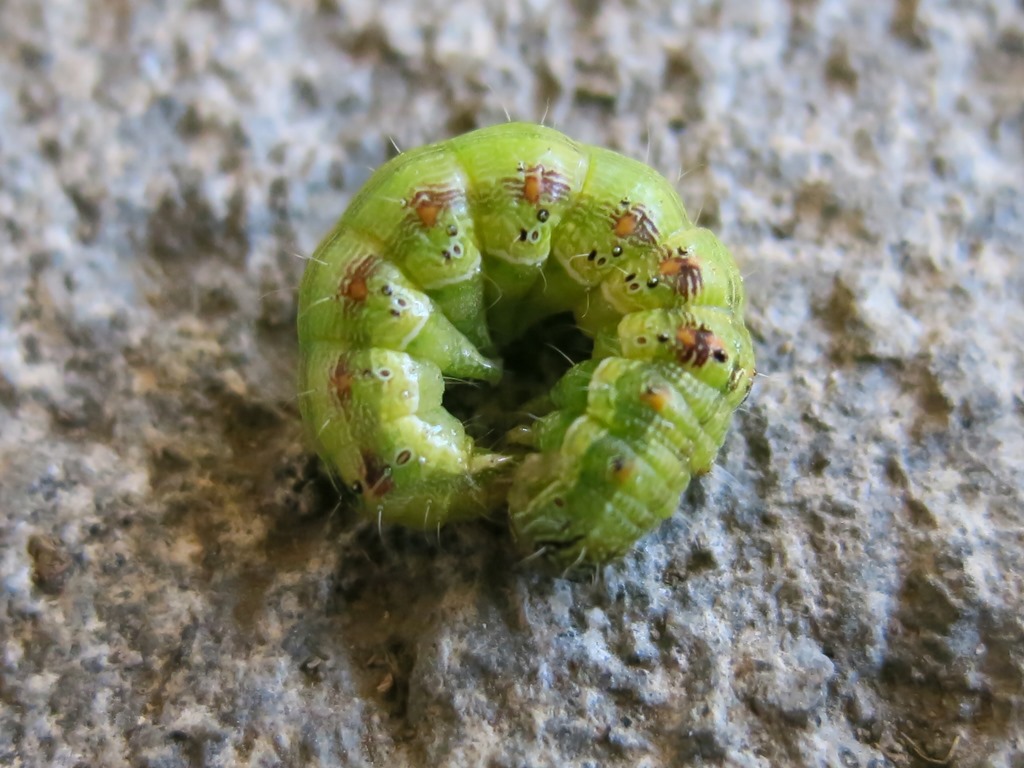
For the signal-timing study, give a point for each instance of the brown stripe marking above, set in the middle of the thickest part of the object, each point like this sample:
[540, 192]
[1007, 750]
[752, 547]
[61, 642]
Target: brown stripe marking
[341, 379]
[635, 224]
[697, 345]
[683, 273]
[538, 184]
[376, 475]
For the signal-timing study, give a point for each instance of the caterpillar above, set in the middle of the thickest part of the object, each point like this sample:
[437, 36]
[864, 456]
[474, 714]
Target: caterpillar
[451, 251]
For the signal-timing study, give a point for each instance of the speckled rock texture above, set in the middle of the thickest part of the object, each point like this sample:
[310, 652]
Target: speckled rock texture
[180, 587]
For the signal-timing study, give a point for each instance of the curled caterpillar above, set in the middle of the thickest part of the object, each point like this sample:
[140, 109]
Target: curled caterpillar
[453, 250]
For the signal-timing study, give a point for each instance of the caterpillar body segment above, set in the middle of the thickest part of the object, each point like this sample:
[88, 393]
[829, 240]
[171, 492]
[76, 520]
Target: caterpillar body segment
[452, 250]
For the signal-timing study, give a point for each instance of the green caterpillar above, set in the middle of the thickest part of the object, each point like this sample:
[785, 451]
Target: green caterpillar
[454, 249]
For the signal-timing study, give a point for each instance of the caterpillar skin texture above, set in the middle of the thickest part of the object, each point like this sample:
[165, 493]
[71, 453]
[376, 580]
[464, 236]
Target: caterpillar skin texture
[453, 249]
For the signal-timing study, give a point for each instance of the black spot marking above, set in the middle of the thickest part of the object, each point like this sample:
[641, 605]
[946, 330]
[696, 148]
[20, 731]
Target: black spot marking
[542, 215]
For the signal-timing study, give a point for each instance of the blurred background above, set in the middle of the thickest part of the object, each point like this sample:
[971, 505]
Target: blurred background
[178, 583]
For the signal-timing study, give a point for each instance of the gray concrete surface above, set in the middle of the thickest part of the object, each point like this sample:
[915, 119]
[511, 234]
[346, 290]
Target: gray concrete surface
[177, 586]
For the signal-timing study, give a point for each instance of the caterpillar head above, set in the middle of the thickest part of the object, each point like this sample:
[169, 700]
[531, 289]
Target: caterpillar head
[559, 521]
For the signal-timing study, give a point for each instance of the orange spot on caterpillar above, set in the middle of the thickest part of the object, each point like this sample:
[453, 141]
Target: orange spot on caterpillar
[696, 345]
[683, 273]
[635, 224]
[654, 397]
[532, 188]
[621, 470]
[625, 225]
[430, 202]
[538, 184]
[353, 285]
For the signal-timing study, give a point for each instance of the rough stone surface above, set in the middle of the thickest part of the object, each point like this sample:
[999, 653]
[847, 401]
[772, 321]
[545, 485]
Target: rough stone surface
[177, 584]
